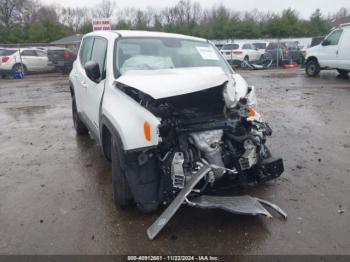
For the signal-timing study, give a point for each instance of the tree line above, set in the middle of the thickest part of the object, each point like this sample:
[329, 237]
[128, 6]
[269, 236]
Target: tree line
[30, 21]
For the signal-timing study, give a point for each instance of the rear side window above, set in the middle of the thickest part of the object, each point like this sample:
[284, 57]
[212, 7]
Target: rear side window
[230, 47]
[41, 53]
[28, 53]
[98, 54]
[85, 51]
[272, 46]
[7, 52]
[260, 45]
[247, 46]
[334, 37]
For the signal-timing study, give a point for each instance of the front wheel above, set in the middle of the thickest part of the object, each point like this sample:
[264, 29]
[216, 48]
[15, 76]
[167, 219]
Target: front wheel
[19, 68]
[79, 126]
[121, 192]
[312, 68]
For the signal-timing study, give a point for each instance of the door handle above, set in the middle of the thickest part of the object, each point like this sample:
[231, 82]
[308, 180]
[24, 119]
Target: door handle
[84, 84]
[337, 52]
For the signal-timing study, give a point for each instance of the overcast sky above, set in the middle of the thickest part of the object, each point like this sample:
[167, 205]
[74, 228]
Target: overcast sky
[304, 7]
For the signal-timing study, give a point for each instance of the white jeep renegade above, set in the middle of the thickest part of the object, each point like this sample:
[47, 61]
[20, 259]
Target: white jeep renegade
[170, 114]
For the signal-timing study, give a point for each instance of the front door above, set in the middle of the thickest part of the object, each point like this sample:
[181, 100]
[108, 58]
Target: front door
[94, 91]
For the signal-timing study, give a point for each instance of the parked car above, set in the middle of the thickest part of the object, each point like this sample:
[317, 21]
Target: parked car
[61, 58]
[332, 53]
[294, 53]
[171, 115]
[237, 52]
[261, 46]
[277, 50]
[25, 59]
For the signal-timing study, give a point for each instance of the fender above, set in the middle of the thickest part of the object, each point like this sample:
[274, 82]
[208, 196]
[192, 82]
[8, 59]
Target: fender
[126, 118]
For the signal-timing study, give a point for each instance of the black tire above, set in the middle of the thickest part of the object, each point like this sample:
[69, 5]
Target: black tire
[19, 68]
[343, 73]
[246, 58]
[121, 191]
[79, 126]
[312, 68]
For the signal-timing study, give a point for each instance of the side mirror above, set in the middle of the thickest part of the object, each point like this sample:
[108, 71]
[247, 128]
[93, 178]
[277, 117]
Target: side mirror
[326, 42]
[92, 70]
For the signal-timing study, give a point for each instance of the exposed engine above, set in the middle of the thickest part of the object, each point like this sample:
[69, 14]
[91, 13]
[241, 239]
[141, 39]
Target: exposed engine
[199, 129]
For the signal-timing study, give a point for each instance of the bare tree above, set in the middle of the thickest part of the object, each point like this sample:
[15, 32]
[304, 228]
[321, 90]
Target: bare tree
[342, 12]
[10, 11]
[105, 9]
[30, 11]
[47, 13]
[74, 18]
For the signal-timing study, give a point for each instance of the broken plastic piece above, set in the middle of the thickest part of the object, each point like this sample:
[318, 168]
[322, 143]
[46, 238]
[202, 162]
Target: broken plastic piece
[273, 206]
[169, 212]
[243, 205]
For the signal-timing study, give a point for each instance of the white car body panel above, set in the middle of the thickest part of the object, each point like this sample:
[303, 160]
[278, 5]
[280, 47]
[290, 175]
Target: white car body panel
[344, 51]
[173, 82]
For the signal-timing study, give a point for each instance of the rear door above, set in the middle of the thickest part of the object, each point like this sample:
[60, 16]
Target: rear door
[79, 75]
[328, 55]
[30, 60]
[344, 50]
[251, 51]
[94, 91]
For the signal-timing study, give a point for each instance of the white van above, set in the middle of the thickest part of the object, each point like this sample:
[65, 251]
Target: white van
[332, 53]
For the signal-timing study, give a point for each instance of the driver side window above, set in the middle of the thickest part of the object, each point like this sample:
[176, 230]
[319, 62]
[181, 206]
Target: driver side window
[334, 37]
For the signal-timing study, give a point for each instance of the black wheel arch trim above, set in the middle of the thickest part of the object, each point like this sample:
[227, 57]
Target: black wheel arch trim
[311, 58]
[71, 88]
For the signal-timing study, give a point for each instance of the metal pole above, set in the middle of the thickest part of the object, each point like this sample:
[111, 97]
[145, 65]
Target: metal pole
[278, 52]
[20, 58]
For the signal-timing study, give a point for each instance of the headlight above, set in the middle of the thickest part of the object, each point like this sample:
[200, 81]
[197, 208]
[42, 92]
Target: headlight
[251, 97]
[229, 93]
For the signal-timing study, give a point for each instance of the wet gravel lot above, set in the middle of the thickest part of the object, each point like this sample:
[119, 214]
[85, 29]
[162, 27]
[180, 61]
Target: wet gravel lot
[55, 187]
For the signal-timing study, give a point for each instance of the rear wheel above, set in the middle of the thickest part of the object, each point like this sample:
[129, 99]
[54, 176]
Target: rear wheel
[245, 62]
[19, 68]
[121, 192]
[312, 68]
[79, 126]
[343, 73]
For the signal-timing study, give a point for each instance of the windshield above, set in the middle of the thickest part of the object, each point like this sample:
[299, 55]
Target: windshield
[165, 53]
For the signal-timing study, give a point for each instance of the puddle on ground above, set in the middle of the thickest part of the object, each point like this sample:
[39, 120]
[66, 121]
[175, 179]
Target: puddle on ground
[27, 110]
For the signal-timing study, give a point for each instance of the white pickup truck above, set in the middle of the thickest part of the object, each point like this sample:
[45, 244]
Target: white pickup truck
[332, 53]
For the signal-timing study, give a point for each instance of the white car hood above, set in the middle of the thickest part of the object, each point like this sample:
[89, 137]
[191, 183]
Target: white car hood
[173, 82]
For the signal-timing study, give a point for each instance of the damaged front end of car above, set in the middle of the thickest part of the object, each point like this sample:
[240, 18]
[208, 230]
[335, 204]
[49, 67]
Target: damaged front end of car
[209, 139]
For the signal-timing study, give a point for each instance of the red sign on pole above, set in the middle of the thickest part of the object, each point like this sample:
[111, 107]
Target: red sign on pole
[101, 24]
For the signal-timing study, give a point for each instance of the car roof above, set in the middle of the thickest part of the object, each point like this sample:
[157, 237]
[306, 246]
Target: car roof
[136, 33]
